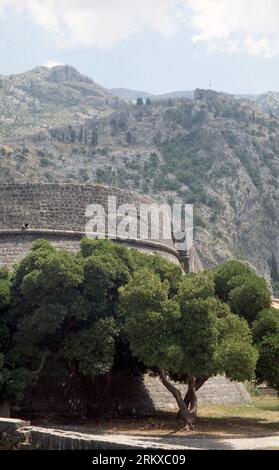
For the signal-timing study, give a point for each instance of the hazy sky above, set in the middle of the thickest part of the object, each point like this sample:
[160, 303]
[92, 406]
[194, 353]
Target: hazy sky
[152, 45]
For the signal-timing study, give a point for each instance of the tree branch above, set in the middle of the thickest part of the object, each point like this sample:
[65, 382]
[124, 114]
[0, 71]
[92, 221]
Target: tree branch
[43, 360]
[175, 392]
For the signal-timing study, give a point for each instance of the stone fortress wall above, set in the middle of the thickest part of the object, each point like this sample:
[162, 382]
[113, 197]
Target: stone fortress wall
[56, 212]
[56, 206]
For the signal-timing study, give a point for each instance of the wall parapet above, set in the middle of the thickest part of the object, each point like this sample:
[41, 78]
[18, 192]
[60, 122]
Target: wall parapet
[137, 242]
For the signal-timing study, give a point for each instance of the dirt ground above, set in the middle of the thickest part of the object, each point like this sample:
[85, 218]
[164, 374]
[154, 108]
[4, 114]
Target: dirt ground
[257, 419]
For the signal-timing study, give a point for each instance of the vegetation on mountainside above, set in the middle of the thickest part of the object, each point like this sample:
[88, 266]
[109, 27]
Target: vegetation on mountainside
[108, 308]
[37, 100]
[216, 151]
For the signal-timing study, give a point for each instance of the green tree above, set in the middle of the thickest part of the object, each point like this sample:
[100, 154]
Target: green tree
[72, 135]
[13, 378]
[238, 284]
[80, 135]
[154, 160]
[224, 273]
[129, 137]
[266, 337]
[249, 297]
[188, 336]
[5, 333]
[63, 309]
[109, 308]
[274, 274]
[94, 137]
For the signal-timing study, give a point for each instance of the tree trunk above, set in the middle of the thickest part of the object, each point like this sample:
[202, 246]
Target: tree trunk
[96, 390]
[183, 411]
[190, 399]
[5, 411]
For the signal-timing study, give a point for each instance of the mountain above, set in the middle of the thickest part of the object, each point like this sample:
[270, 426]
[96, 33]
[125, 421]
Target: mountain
[132, 95]
[266, 102]
[177, 94]
[215, 151]
[45, 97]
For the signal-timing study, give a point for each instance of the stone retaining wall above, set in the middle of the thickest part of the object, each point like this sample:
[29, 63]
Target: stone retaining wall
[123, 395]
[216, 391]
[16, 434]
[12, 433]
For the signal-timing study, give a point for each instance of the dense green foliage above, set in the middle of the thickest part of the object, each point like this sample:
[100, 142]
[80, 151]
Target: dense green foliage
[266, 337]
[246, 293]
[60, 310]
[249, 297]
[5, 334]
[189, 333]
[109, 308]
[192, 333]
[63, 306]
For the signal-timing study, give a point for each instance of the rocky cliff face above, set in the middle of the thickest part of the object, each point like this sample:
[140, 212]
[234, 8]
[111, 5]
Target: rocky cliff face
[46, 97]
[268, 103]
[215, 151]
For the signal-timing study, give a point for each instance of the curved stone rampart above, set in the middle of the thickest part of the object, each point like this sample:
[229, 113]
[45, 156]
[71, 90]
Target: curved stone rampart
[57, 212]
